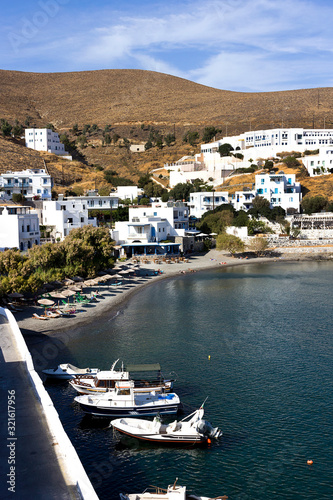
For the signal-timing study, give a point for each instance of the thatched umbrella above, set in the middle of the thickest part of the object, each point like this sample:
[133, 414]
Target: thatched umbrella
[68, 282]
[15, 295]
[77, 279]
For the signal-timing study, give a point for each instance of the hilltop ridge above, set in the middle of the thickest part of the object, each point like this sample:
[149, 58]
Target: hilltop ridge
[120, 96]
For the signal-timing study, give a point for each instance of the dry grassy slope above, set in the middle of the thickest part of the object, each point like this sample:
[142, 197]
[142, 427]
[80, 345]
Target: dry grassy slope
[131, 96]
[15, 156]
[127, 98]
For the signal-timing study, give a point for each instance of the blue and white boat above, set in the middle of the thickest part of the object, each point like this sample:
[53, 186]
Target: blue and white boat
[125, 401]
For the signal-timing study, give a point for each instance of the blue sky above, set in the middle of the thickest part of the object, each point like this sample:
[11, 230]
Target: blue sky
[240, 45]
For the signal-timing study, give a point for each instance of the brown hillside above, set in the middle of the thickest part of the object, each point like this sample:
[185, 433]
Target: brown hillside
[132, 96]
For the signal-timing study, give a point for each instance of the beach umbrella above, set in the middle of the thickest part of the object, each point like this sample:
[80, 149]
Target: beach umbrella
[68, 281]
[77, 279]
[56, 283]
[75, 288]
[45, 302]
[117, 276]
[48, 286]
[68, 293]
[57, 295]
[15, 295]
[125, 271]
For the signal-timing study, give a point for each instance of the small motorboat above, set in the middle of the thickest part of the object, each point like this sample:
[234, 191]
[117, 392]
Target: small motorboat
[66, 371]
[105, 380]
[192, 430]
[173, 492]
[125, 401]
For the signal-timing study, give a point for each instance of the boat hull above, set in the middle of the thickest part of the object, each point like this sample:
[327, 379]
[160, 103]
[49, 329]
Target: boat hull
[167, 439]
[130, 411]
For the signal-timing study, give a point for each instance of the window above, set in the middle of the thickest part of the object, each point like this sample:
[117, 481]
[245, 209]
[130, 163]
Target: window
[262, 181]
[82, 219]
[155, 214]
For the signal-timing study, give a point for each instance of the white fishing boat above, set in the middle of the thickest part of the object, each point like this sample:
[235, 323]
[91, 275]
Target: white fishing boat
[125, 401]
[66, 371]
[105, 380]
[173, 492]
[191, 430]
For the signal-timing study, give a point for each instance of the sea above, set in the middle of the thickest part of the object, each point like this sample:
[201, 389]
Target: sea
[255, 343]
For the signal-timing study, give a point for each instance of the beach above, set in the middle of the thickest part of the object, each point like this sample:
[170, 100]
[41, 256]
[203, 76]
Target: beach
[110, 298]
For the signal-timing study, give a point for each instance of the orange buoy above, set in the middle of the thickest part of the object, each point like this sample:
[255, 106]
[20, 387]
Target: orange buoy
[309, 462]
[209, 441]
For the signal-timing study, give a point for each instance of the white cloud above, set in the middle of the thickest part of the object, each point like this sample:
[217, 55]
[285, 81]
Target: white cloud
[215, 43]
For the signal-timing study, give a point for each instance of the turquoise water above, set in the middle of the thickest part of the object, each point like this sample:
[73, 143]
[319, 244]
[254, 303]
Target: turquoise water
[267, 330]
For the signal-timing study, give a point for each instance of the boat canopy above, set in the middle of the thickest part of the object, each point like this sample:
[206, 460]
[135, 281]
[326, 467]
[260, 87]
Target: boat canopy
[144, 368]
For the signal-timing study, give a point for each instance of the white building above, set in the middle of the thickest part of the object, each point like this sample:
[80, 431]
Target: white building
[19, 227]
[151, 229]
[279, 189]
[204, 201]
[210, 168]
[44, 139]
[128, 192]
[268, 143]
[319, 164]
[242, 200]
[94, 201]
[32, 184]
[64, 215]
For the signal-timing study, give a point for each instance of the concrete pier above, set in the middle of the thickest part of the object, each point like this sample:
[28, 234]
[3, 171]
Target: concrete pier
[37, 458]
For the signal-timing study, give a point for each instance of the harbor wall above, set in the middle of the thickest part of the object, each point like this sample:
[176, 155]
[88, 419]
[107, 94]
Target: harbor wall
[68, 459]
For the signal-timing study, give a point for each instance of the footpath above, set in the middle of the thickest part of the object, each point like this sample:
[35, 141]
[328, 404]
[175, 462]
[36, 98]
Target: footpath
[37, 461]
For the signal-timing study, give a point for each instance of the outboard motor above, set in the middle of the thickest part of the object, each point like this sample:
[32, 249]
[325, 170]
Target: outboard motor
[206, 428]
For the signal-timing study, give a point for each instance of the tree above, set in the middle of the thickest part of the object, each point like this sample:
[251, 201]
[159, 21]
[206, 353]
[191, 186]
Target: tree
[191, 137]
[107, 139]
[181, 191]
[261, 207]
[209, 134]
[82, 141]
[17, 197]
[230, 243]
[144, 179]
[6, 128]
[225, 149]
[148, 145]
[144, 201]
[75, 129]
[169, 139]
[314, 204]
[50, 126]
[258, 245]
[216, 222]
[241, 219]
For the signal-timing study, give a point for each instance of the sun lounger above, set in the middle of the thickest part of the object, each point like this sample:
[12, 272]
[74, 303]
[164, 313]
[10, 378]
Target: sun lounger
[39, 317]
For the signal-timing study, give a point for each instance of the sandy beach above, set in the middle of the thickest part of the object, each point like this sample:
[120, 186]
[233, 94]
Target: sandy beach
[110, 298]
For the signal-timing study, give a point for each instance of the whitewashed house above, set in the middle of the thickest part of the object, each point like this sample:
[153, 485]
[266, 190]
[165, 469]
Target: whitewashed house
[31, 183]
[128, 192]
[279, 189]
[319, 164]
[202, 202]
[63, 215]
[19, 227]
[152, 229]
[44, 139]
[242, 200]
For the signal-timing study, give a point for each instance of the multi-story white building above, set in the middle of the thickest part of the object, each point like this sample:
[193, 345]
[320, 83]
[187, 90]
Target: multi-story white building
[44, 139]
[204, 201]
[19, 227]
[270, 142]
[279, 189]
[32, 184]
[242, 200]
[319, 164]
[94, 201]
[62, 216]
[150, 229]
